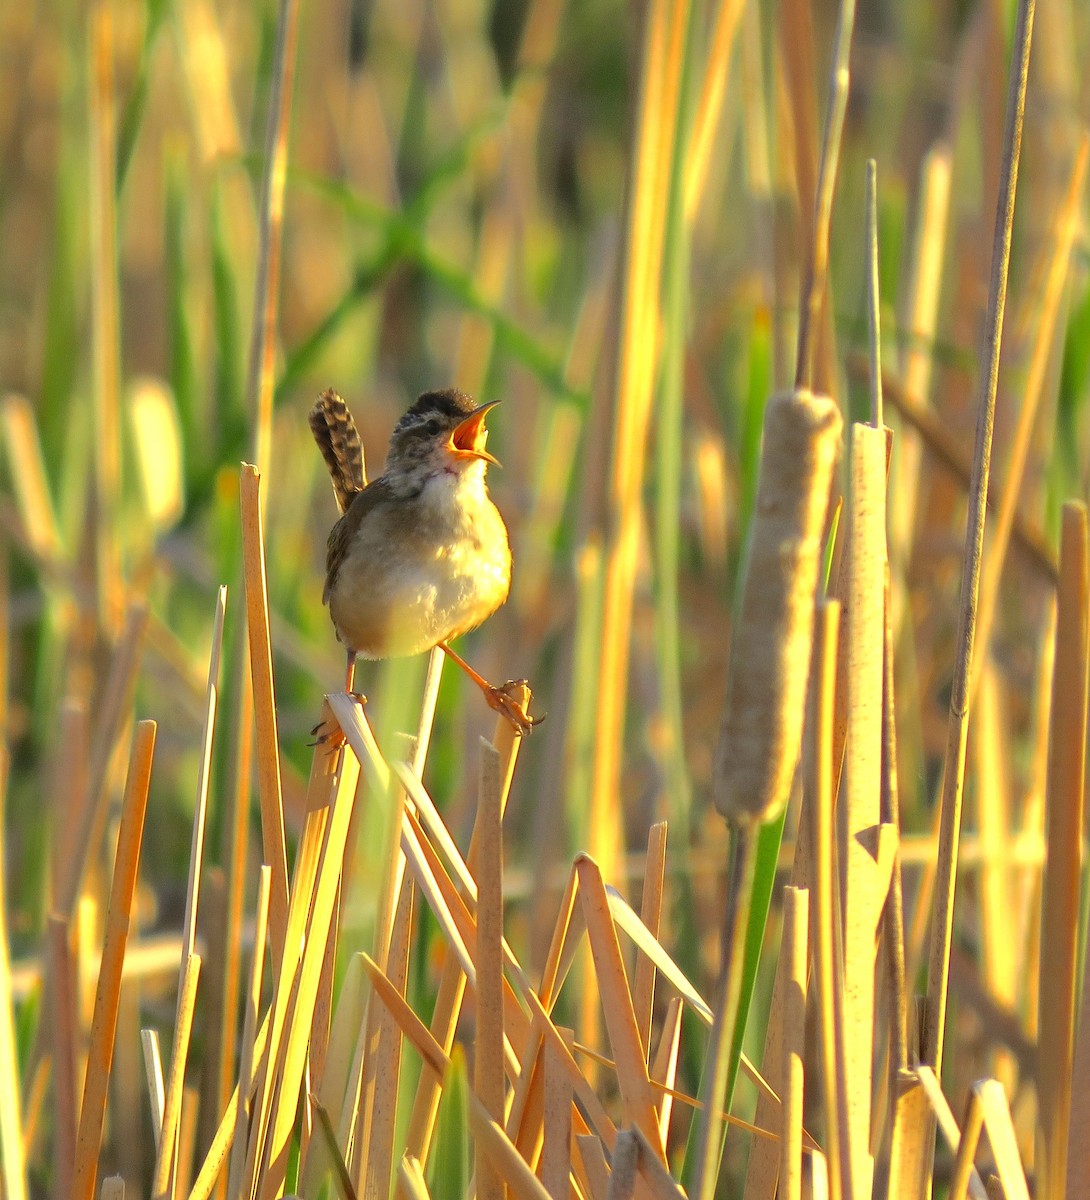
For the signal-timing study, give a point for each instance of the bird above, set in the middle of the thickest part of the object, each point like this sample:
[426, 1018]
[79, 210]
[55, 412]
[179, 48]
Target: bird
[420, 555]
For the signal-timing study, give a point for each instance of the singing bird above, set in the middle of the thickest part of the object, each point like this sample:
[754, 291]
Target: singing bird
[419, 555]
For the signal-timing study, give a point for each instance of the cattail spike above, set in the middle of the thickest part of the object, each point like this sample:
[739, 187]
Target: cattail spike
[335, 432]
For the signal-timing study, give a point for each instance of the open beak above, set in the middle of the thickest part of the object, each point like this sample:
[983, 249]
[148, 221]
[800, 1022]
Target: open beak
[468, 438]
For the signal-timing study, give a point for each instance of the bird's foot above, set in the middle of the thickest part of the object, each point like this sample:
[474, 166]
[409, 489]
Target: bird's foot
[328, 733]
[501, 700]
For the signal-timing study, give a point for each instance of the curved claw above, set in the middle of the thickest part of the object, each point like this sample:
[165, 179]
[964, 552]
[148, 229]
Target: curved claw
[333, 735]
[500, 699]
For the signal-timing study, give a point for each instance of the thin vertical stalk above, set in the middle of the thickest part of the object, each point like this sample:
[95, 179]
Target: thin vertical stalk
[104, 1022]
[105, 322]
[267, 283]
[938, 973]
[1063, 869]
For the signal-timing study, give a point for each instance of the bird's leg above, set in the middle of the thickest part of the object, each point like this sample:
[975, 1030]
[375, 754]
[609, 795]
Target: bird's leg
[497, 698]
[333, 737]
[350, 676]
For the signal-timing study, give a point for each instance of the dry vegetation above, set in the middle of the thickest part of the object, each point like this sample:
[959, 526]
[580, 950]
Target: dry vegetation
[823, 938]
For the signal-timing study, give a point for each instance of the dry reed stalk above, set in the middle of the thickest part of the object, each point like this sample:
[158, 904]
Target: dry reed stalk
[708, 1144]
[204, 771]
[270, 222]
[112, 715]
[236, 854]
[28, 478]
[1029, 539]
[105, 322]
[556, 1150]
[187, 1141]
[1047, 304]
[954, 769]
[410, 1180]
[663, 1067]
[104, 1022]
[939, 1109]
[634, 380]
[1002, 1139]
[594, 1168]
[643, 988]
[247, 1063]
[1000, 948]
[629, 1053]
[793, 947]
[489, 1137]
[12, 1159]
[971, 1126]
[1078, 1145]
[455, 909]
[62, 1008]
[448, 999]
[488, 1082]
[166, 1163]
[874, 299]
[384, 1065]
[864, 881]
[377, 1047]
[921, 306]
[893, 932]
[816, 249]
[153, 1077]
[828, 967]
[709, 106]
[268, 757]
[312, 898]
[526, 1107]
[1062, 883]
[432, 1055]
[221, 1143]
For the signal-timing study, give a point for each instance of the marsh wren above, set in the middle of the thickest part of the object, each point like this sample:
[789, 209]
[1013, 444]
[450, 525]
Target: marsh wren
[420, 554]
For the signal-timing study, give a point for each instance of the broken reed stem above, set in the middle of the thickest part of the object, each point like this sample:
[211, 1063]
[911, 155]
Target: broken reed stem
[166, 1166]
[938, 971]
[268, 747]
[204, 771]
[1063, 869]
[708, 1146]
[643, 988]
[108, 992]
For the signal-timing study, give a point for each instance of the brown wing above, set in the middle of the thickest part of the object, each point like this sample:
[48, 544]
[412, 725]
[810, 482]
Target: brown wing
[335, 432]
[341, 535]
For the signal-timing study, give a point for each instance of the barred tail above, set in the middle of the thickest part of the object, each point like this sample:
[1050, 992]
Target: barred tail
[337, 438]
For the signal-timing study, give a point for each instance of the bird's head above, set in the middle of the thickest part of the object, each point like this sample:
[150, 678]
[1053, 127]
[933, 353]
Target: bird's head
[444, 431]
